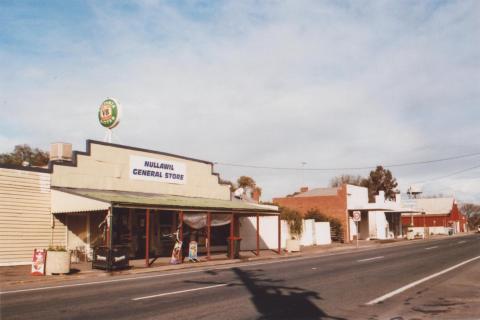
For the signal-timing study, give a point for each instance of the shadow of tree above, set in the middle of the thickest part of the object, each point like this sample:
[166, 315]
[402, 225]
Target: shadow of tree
[273, 300]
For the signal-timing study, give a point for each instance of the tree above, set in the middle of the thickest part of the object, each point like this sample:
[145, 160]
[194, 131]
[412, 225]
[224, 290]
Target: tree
[378, 180]
[472, 211]
[294, 221]
[24, 153]
[348, 179]
[248, 183]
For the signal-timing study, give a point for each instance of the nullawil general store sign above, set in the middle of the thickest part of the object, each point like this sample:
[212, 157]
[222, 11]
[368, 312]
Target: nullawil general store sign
[151, 169]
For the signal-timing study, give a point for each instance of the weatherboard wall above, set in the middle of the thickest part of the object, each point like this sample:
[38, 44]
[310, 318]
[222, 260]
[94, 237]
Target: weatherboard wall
[25, 218]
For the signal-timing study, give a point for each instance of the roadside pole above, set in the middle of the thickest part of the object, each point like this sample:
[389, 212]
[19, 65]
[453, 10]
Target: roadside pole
[357, 216]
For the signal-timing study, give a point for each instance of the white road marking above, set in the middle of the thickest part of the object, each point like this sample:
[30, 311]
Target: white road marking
[314, 268]
[374, 258]
[462, 241]
[413, 284]
[177, 292]
[230, 266]
[429, 248]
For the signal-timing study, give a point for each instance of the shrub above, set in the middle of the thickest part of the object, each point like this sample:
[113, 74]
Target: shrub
[294, 221]
[57, 248]
[335, 223]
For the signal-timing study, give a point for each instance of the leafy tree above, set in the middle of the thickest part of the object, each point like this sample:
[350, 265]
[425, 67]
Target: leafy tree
[348, 179]
[294, 221]
[24, 153]
[248, 183]
[378, 180]
[472, 211]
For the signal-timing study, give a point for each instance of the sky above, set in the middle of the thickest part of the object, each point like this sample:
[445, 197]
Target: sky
[289, 84]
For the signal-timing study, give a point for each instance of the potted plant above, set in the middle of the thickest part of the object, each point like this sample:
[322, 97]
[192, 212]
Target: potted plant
[295, 226]
[58, 260]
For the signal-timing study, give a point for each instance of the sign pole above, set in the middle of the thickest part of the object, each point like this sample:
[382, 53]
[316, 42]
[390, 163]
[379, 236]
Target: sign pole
[357, 216]
[357, 232]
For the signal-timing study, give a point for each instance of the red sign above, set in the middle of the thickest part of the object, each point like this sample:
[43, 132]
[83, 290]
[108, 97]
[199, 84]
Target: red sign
[38, 262]
[357, 216]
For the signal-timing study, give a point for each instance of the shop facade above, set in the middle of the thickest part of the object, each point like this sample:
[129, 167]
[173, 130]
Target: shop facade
[115, 195]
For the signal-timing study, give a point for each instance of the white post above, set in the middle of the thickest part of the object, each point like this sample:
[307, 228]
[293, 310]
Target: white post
[357, 232]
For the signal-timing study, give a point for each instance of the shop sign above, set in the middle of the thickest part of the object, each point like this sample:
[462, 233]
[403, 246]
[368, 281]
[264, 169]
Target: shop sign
[193, 251]
[38, 262]
[109, 113]
[151, 169]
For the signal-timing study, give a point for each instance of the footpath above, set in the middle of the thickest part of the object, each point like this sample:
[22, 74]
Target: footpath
[13, 276]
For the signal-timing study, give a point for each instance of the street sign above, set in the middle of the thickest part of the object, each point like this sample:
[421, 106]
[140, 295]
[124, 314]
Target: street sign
[357, 216]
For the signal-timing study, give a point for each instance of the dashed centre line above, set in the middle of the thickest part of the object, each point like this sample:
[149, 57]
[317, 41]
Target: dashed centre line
[374, 258]
[429, 248]
[180, 291]
[463, 241]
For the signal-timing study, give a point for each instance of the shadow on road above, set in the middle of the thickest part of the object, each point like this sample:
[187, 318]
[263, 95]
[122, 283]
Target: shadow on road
[276, 301]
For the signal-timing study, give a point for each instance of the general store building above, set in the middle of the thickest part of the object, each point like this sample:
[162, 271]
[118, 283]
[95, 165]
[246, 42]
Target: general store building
[119, 195]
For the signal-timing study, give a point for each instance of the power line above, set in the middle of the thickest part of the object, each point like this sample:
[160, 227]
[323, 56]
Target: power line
[405, 164]
[449, 175]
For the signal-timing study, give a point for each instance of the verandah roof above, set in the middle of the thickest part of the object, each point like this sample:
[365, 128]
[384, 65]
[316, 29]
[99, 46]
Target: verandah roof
[162, 201]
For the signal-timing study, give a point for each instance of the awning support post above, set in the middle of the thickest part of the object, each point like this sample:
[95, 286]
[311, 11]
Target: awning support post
[209, 224]
[109, 227]
[232, 222]
[258, 235]
[180, 234]
[279, 235]
[147, 238]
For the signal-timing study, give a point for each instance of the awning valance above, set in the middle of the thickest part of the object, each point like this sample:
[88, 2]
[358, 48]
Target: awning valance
[64, 202]
[162, 201]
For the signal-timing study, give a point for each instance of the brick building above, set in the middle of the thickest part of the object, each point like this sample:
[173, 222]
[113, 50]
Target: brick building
[379, 220]
[330, 201]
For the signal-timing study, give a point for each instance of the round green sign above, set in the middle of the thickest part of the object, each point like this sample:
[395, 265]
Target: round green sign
[109, 113]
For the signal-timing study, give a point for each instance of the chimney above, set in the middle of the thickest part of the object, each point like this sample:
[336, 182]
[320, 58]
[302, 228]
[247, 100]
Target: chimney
[256, 195]
[303, 189]
[61, 151]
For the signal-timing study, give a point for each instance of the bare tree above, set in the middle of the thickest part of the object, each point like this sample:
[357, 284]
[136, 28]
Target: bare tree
[472, 211]
[348, 179]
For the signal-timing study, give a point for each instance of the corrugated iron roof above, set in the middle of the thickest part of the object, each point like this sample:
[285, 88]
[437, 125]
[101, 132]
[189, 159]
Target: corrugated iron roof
[435, 205]
[126, 198]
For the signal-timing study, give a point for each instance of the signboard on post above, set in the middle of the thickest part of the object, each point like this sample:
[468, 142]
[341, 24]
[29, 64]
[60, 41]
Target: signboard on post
[357, 216]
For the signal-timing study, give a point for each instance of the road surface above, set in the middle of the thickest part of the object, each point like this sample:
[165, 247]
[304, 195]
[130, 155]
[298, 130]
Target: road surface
[395, 282]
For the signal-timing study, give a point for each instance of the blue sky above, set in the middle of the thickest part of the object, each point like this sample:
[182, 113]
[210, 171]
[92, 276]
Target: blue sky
[269, 83]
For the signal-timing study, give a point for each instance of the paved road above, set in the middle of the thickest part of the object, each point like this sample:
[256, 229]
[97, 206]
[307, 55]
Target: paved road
[322, 287]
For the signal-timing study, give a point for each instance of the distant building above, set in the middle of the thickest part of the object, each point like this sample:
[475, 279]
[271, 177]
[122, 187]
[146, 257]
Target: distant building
[380, 220]
[437, 214]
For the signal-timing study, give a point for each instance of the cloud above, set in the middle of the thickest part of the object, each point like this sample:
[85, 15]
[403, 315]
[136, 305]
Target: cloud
[331, 84]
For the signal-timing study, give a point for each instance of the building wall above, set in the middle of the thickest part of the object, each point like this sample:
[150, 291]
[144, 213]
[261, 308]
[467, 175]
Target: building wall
[25, 218]
[107, 167]
[334, 206]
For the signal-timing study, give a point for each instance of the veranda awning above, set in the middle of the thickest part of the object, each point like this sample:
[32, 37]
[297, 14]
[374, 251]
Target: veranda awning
[108, 198]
